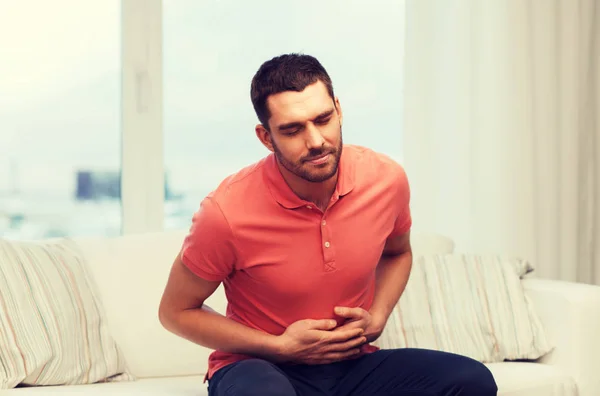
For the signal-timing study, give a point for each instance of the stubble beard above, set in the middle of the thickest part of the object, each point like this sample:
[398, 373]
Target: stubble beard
[310, 172]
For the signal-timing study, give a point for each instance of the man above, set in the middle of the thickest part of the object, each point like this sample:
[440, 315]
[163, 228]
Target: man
[312, 245]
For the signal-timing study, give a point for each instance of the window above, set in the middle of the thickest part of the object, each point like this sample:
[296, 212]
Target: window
[60, 118]
[213, 48]
[119, 116]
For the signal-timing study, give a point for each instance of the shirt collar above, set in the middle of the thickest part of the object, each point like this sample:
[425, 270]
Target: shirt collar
[284, 195]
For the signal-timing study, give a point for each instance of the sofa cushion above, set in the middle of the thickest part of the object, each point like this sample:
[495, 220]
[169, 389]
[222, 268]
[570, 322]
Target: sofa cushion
[430, 243]
[53, 329]
[531, 379]
[473, 305]
[143, 263]
[167, 386]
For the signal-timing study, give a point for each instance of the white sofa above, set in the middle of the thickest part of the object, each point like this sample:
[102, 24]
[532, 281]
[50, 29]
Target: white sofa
[131, 273]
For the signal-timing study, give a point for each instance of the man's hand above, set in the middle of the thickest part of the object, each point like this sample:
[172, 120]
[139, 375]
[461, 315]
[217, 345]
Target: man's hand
[358, 318]
[313, 342]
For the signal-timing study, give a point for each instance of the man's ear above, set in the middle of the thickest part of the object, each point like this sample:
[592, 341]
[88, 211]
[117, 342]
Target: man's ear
[338, 108]
[264, 136]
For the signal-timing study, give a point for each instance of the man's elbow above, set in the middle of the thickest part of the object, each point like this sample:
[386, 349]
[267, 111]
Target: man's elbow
[165, 316]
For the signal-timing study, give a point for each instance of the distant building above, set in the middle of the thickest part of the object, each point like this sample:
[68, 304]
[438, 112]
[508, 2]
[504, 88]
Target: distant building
[94, 185]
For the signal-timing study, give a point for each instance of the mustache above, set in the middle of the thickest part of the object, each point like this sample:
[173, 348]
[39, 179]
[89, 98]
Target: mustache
[312, 154]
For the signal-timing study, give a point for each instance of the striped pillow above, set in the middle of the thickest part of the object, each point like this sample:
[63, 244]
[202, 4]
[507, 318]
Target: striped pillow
[472, 305]
[52, 325]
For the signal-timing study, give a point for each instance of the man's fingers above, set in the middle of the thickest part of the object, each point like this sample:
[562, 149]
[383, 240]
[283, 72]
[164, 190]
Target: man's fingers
[322, 324]
[345, 335]
[349, 313]
[337, 356]
[355, 324]
[347, 345]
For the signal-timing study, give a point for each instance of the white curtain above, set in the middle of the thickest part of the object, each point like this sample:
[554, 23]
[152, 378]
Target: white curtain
[502, 128]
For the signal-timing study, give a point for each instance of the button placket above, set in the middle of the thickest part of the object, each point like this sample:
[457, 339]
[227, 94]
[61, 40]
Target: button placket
[327, 247]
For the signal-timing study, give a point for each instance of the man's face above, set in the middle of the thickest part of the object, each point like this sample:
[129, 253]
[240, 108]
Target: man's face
[306, 132]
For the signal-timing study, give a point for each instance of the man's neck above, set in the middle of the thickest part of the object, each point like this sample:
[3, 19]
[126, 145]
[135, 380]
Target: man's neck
[317, 193]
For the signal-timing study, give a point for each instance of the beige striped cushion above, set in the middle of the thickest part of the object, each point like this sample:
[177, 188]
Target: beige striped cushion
[473, 305]
[52, 326]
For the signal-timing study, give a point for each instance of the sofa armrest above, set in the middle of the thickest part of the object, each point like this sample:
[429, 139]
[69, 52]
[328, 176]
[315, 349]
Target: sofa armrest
[570, 313]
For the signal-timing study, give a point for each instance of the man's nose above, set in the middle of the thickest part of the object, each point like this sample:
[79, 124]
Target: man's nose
[314, 139]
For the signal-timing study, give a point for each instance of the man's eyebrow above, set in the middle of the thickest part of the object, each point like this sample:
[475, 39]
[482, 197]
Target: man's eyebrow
[324, 114]
[291, 125]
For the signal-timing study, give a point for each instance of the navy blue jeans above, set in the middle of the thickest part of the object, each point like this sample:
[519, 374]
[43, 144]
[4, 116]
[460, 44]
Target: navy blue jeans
[398, 372]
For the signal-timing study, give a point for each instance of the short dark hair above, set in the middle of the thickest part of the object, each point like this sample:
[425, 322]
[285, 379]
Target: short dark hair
[288, 72]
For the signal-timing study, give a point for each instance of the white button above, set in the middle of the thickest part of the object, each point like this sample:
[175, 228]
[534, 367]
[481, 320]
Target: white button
[327, 244]
[309, 207]
[323, 222]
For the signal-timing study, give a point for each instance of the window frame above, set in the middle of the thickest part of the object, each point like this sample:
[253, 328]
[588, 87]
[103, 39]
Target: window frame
[142, 162]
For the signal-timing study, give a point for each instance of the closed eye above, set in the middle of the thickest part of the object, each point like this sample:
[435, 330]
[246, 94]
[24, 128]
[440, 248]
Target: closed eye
[323, 121]
[292, 132]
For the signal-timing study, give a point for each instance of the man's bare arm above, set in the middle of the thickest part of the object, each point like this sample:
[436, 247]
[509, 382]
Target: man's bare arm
[392, 276]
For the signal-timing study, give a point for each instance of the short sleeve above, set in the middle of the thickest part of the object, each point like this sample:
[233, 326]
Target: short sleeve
[208, 249]
[403, 221]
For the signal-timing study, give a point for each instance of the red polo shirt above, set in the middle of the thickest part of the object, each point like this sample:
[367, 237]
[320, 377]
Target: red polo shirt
[280, 258]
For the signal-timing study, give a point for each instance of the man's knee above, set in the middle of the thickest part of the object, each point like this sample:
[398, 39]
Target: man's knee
[253, 377]
[452, 373]
[474, 378]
